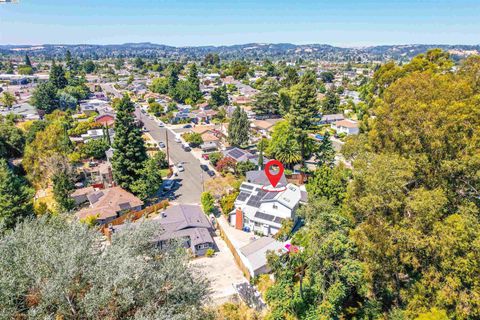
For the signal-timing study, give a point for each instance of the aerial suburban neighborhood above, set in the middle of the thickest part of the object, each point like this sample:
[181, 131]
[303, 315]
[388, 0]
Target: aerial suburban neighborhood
[234, 182]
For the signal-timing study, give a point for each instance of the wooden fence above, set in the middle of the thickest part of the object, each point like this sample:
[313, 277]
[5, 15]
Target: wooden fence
[236, 257]
[133, 216]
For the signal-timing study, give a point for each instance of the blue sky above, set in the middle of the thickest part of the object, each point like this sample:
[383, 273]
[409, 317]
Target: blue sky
[218, 22]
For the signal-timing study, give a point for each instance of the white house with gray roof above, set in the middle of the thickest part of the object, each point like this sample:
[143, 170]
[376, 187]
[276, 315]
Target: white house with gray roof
[263, 211]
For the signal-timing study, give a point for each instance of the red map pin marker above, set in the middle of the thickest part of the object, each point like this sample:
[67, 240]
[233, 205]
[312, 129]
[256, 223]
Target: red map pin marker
[274, 178]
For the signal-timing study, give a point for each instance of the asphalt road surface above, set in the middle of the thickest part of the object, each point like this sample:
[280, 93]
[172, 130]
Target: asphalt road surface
[189, 181]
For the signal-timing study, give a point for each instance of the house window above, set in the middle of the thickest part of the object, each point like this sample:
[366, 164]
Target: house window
[204, 246]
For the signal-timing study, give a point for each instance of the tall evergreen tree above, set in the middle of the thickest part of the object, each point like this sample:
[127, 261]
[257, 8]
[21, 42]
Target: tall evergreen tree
[325, 153]
[68, 60]
[194, 82]
[129, 149]
[57, 76]
[303, 109]
[15, 198]
[238, 129]
[27, 61]
[62, 188]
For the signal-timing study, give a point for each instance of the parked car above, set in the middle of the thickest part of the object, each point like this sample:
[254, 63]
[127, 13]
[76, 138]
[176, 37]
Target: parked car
[180, 167]
[211, 173]
[161, 144]
[205, 156]
[186, 147]
[187, 126]
[161, 124]
[177, 139]
[204, 167]
[168, 185]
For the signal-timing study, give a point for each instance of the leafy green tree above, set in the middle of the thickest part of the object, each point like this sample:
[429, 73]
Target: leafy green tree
[33, 129]
[219, 96]
[44, 97]
[138, 63]
[270, 68]
[304, 108]
[208, 202]
[159, 85]
[63, 272]
[227, 202]
[331, 102]
[194, 82]
[129, 148]
[330, 183]
[193, 139]
[15, 198]
[8, 99]
[89, 66]
[327, 76]
[291, 77]
[63, 186]
[96, 148]
[284, 146]
[244, 166]
[267, 101]
[325, 154]
[12, 140]
[57, 76]
[25, 70]
[214, 157]
[239, 69]
[150, 179]
[239, 127]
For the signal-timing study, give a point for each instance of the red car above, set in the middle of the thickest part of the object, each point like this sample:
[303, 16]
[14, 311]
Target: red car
[205, 156]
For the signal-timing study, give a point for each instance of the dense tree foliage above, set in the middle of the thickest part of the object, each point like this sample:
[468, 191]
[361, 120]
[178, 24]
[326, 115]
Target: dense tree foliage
[398, 237]
[12, 139]
[44, 97]
[129, 148]
[239, 127]
[303, 109]
[15, 198]
[219, 96]
[66, 273]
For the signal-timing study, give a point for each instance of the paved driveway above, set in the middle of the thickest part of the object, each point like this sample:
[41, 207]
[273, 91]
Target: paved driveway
[190, 180]
[222, 272]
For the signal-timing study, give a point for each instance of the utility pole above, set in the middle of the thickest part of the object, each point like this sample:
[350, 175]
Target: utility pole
[166, 143]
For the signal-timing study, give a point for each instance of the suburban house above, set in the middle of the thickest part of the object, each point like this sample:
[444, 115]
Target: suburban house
[203, 116]
[265, 126]
[240, 155]
[97, 134]
[98, 174]
[108, 204]
[254, 254]
[331, 118]
[189, 224]
[346, 126]
[263, 211]
[105, 119]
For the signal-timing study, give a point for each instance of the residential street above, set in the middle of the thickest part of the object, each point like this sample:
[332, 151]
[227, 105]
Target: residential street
[190, 180]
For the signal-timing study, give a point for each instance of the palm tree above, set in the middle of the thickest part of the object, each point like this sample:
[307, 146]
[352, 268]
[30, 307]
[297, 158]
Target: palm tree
[8, 100]
[289, 155]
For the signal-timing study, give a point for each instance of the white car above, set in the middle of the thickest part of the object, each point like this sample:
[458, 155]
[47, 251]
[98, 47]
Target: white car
[180, 167]
[161, 124]
[177, 139]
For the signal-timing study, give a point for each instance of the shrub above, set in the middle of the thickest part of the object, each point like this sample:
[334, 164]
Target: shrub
[208, 203]
[209, 253]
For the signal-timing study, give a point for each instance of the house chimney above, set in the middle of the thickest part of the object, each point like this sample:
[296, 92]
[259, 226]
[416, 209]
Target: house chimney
[239, 219]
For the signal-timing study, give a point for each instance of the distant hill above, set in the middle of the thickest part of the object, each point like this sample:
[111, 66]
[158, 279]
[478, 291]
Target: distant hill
[258, 51]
